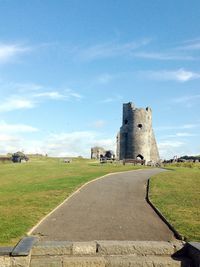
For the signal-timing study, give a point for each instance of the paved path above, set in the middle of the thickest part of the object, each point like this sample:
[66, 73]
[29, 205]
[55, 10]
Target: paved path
[111, 208]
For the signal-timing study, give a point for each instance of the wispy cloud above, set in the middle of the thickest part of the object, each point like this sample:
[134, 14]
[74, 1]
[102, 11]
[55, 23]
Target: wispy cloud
[183, 134]
[179, 75]
[110, 49]
[111, 99]
[30, 95]
[57, 95]
[162, 56]
[10, 51]
[51, 95]
[186, 99]
[190, 45]
[178, 127]
[185, 51]
[72, 94]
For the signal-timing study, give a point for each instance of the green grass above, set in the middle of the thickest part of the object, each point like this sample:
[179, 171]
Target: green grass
[176, 193]
[30, 191]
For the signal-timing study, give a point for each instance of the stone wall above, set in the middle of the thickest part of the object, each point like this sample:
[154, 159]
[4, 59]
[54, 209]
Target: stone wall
[96, 152]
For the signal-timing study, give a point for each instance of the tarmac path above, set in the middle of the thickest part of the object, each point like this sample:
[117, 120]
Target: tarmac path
[111, 208]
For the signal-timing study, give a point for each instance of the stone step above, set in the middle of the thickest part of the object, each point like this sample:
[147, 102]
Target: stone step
[142, 248]
[102, 254]
[109, 261]
[146, 261]
[138, 247]
[107, 254]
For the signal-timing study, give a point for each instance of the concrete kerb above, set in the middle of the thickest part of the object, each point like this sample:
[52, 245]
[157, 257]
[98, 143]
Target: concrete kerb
[74, 193]
[171, 227]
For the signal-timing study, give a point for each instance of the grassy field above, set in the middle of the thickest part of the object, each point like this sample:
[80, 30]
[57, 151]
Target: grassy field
[176, 194]
[28, 191]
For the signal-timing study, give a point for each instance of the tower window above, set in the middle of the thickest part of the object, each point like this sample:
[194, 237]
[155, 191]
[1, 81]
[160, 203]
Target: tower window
[126, 121]
[140, 126]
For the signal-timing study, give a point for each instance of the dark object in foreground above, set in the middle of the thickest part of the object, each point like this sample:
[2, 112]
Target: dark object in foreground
[18, 157]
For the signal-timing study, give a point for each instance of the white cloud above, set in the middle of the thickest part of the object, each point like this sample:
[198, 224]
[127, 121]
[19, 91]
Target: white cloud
[8, 138]
[14, 103]
[9, 51]
[168, 148]
[16, 128]
[76, 143]
[170, 144]
[66, 94]
[11, 144]
[51, 95]
[61, 144]
[13, 137]
[108, 144]
[180, 75]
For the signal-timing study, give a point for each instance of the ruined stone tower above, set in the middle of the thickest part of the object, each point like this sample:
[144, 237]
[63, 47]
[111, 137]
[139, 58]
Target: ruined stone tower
[136, 139]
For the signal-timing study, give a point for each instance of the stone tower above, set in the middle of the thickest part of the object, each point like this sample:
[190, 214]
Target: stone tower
[136, 139]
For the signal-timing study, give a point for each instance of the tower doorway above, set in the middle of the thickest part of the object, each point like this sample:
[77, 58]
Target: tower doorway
[139, 157]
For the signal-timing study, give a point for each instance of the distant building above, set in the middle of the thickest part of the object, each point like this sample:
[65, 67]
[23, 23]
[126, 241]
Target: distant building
[136, 139]
[96, 152]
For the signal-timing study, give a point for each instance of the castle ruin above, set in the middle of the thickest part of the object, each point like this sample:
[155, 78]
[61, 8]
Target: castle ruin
[136, 139]
[96, 152]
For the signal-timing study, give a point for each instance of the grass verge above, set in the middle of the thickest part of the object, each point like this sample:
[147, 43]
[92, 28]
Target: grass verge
[176, 193]
[29, 191]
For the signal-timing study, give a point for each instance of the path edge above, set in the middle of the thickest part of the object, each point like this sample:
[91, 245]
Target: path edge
[163, 218]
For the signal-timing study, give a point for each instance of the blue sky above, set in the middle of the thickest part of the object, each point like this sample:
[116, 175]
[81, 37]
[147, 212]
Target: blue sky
[66, 68]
